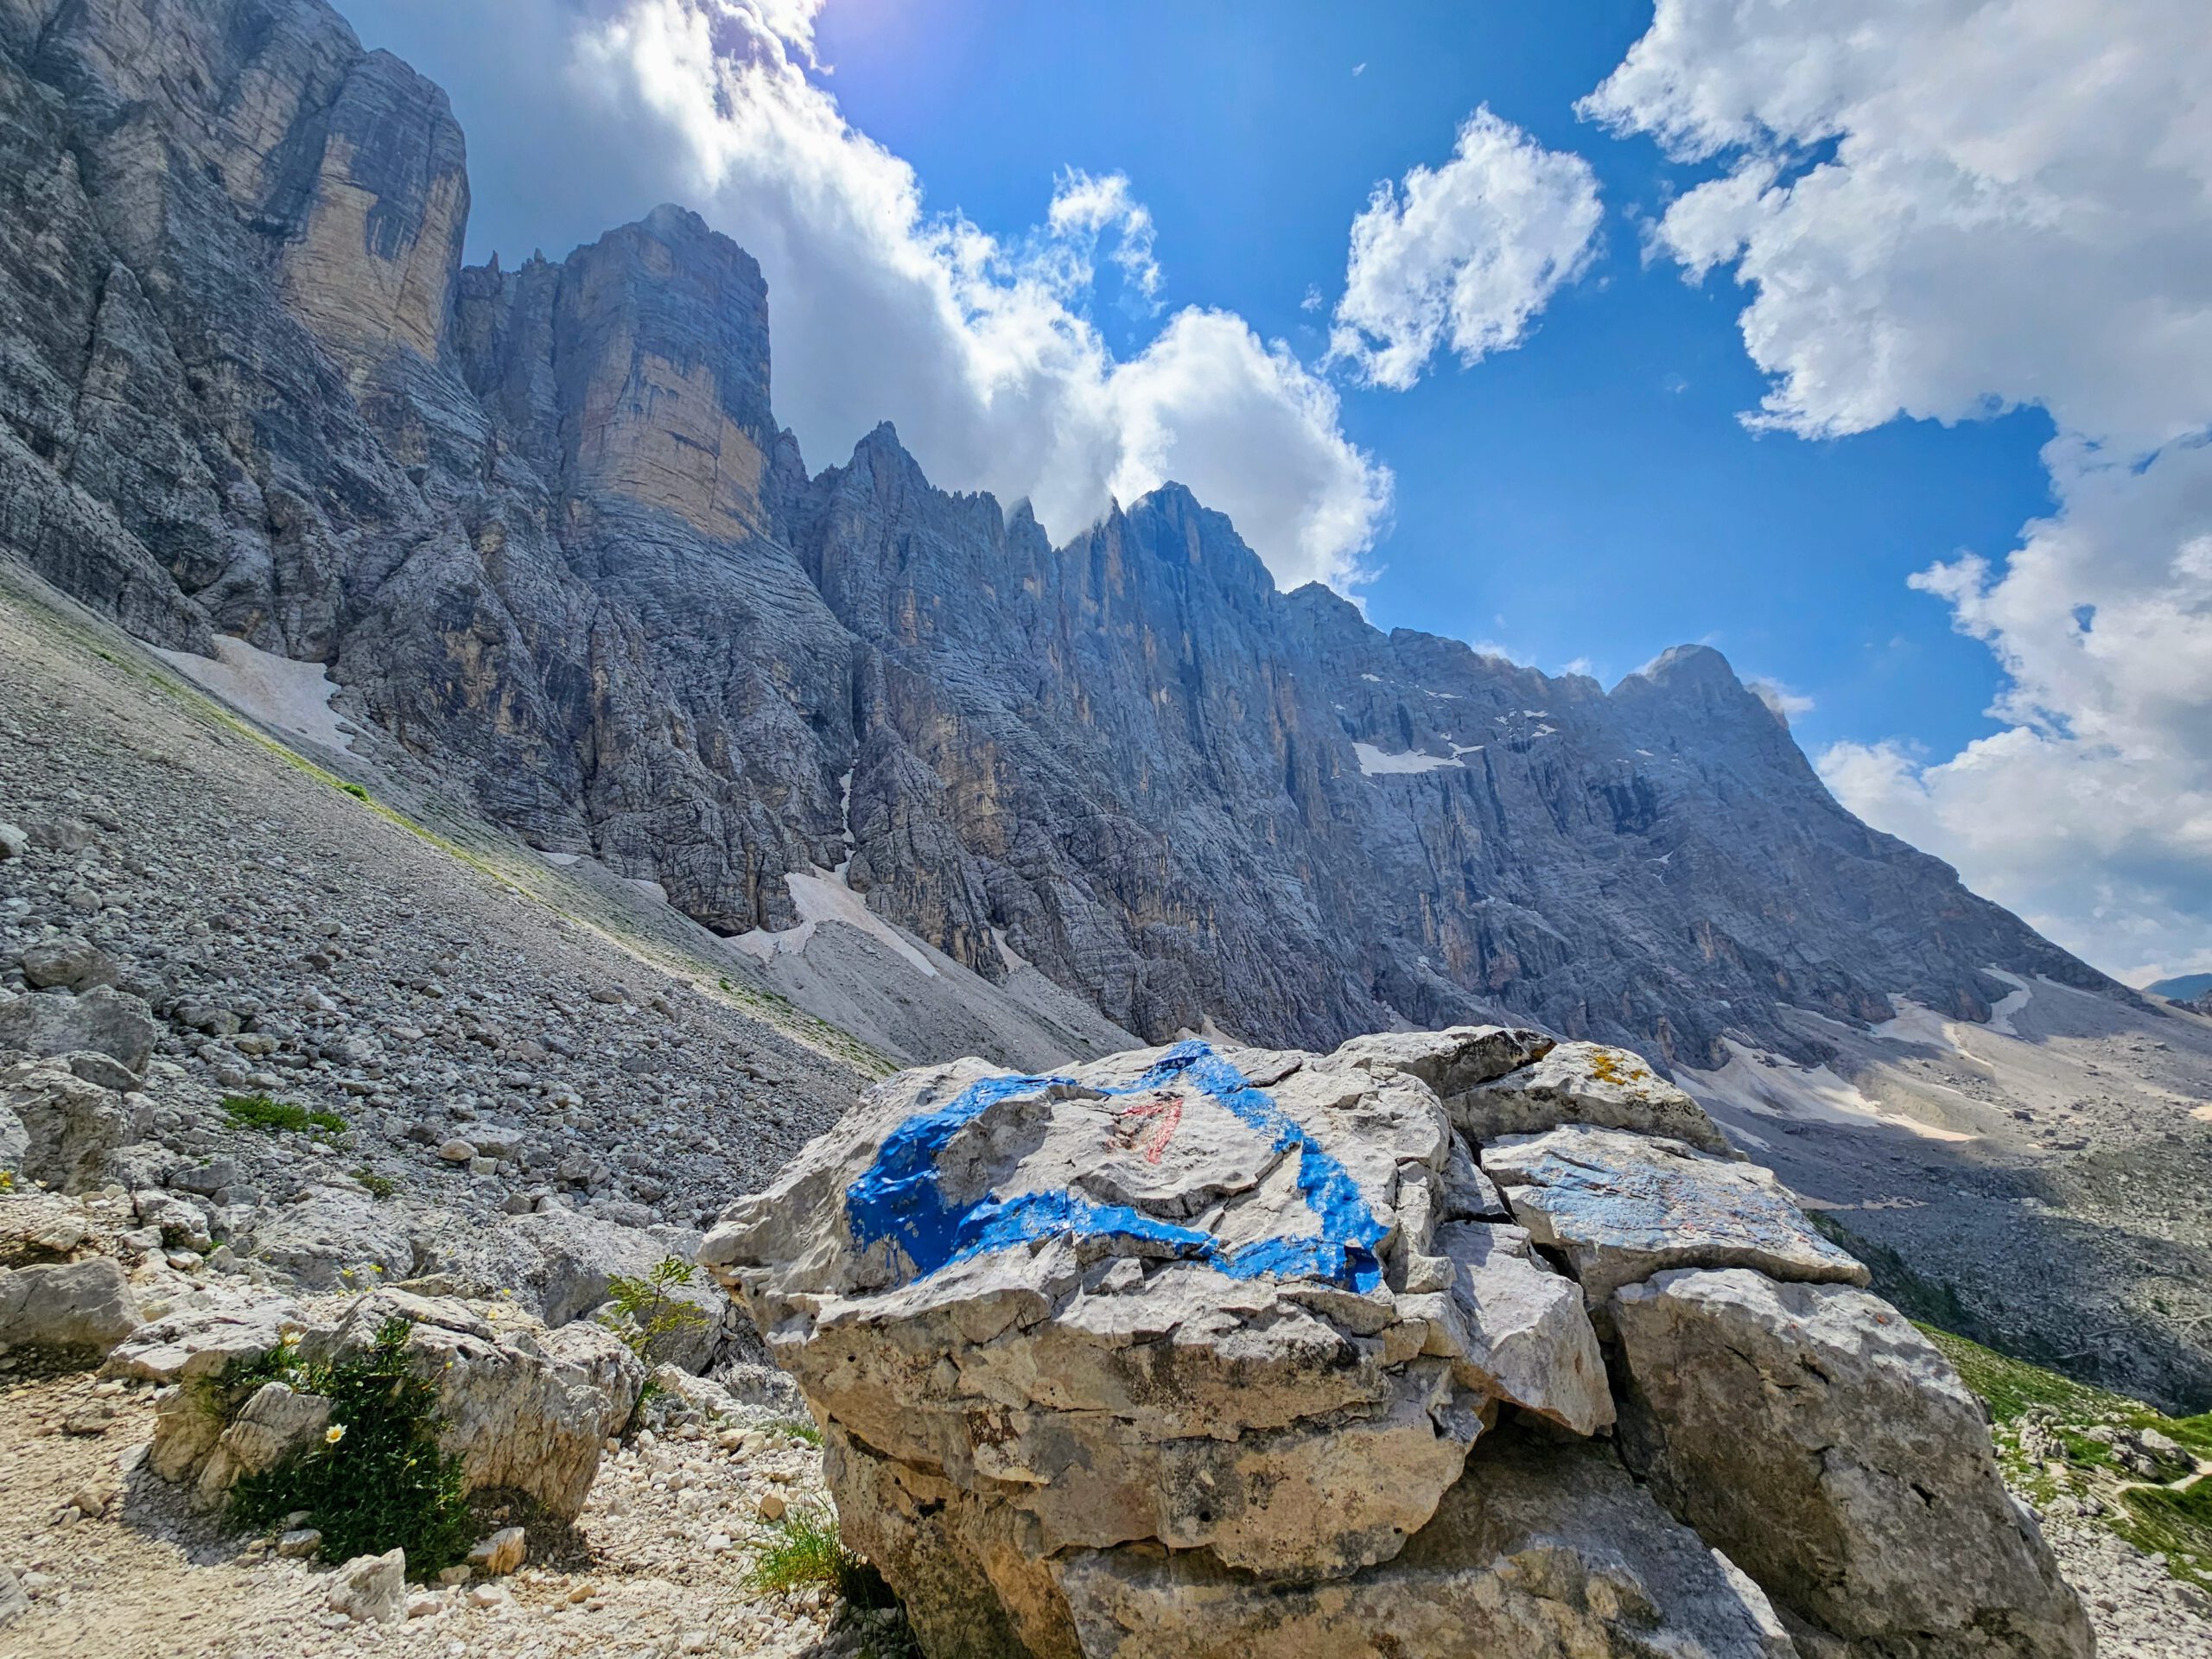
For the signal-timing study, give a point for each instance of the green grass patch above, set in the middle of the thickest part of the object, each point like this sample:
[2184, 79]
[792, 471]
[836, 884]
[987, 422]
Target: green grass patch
[380, 1186]
[804, 1551]
[270, 1116]
[2055, 1440]
[801, 1429]
[378, 1481]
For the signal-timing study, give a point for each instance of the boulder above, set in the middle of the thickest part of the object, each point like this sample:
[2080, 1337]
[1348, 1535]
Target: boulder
[1198, 1298]
[15, 840]
[1623, 1206]
[560, 1264]
[103, 1019]
[273, 1425]
[330, 1232]
[1809, 1431]
[66, 961]
[1541, 1551]
[80, 1309]
[201, 1342]
[69, 1126]
[1584, 1083]
[523, 1411]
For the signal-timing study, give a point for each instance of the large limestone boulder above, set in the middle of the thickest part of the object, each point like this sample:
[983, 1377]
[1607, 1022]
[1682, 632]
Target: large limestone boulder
[327, 1233]
[1234, 1353]
[1812, 1433]
[526, 1410]
[1195, 1298]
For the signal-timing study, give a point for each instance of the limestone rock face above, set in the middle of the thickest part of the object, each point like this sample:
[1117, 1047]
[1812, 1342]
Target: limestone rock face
[541, 524]
[1810, 1432]
[1220, 1351]
[272, 1425]
[1541, 1552]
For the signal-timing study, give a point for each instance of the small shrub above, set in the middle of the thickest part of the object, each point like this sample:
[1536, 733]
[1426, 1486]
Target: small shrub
[801, 1429]
[355, 790]
[379, 1481]
[380, 1186]
[804, 1551]
[648, 1312]
[259, 1112]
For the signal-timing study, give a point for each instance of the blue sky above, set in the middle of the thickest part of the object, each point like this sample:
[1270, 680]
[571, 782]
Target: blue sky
[1588, 495]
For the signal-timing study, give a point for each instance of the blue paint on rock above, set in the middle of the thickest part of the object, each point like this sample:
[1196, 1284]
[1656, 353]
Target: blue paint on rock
[901, 1197]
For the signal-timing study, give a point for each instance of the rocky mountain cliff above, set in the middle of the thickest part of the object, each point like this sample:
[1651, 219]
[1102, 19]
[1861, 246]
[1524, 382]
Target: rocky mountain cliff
[543, 526]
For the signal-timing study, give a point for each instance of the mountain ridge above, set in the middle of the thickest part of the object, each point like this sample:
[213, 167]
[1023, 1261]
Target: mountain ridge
[543, 527]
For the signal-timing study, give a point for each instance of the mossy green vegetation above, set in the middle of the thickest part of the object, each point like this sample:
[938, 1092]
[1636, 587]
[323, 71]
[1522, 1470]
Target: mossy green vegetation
[379, 1480]
[2081, 1451]
[259, 1112]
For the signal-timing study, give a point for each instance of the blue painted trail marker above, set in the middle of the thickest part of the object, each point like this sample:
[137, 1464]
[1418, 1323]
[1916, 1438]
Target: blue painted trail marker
[901, 1197]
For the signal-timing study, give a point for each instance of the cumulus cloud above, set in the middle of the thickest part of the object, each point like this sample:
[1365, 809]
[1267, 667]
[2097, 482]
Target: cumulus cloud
[1947, 210]
[979, 348]
[1465, 254]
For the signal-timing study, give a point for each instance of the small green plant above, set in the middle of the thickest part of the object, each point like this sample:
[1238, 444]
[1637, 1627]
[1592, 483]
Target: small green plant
[647, 1310]
[380, 1186]
[7, 1180]
[378, 1481]
[804, 1551]
[259, 1112]
[801, 1429]
[355, 790]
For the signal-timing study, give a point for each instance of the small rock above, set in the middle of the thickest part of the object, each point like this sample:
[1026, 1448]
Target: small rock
[773, 1507]
[300, 1541]
[372, 1589]
[499, 1554]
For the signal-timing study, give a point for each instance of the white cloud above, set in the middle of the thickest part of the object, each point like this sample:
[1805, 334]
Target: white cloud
[979, 348]
[1465, 254]
[1785, 704]
[1941, 210]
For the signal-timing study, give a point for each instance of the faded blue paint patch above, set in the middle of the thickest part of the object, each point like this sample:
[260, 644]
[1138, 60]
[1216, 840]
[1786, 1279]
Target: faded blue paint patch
[901, 1197]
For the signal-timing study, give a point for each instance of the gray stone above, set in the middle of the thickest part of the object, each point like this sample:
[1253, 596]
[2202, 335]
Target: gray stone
[66, 961]
[15, 840]
[77, 1308]
[71, 1126]
[103, 1019]
[1452, 1062]
[1813, 1435]
[1584, 1083]
[1624, 1207]
[333, 1238]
